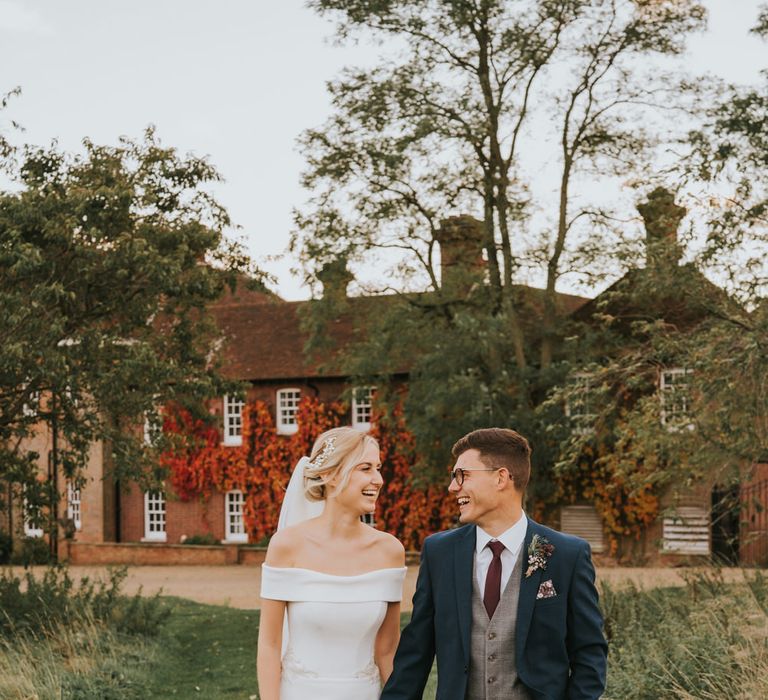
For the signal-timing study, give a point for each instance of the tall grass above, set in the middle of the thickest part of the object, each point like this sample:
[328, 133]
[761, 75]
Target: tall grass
[707, 640]
[81, 661]
[61, 641]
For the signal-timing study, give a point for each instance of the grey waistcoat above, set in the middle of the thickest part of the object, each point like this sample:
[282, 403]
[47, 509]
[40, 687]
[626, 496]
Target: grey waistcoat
[492, 664]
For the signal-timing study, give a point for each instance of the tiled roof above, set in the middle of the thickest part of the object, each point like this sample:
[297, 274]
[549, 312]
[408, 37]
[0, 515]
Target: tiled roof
[637, 296]
[264, 339]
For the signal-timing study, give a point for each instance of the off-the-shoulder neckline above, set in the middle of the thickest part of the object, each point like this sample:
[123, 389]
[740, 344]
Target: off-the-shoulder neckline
[323, 573]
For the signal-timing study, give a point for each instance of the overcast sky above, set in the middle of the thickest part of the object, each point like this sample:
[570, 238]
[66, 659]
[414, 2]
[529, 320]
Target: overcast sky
[237, 80]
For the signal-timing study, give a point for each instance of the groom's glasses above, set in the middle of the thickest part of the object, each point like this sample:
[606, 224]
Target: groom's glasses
[460, 474]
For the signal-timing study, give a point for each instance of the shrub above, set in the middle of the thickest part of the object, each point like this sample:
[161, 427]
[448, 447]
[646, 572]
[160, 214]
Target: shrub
[207, 538]
[82, 641]
[30, 551]
[83, 661]
[54, 599]
[706, 640]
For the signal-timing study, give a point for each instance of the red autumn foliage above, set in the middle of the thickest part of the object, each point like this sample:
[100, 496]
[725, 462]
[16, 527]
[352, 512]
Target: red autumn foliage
[626, 508]
[407, 511]
[261, 468]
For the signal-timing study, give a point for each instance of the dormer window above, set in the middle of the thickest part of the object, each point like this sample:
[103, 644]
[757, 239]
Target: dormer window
[675, 397]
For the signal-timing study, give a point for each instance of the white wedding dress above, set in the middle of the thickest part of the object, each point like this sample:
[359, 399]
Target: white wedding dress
[332, 623]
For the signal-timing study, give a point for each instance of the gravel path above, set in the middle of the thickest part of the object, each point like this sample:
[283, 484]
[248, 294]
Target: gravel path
[238, 586]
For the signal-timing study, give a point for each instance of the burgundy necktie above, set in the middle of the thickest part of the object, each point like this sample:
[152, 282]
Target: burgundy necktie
[493, 579]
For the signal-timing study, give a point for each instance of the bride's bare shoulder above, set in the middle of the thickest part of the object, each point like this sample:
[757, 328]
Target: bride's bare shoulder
[390, 549]
[284, 545]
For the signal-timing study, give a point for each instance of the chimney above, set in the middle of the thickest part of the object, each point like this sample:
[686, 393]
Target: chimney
[662, 218]
[335, 277]
[461, 253]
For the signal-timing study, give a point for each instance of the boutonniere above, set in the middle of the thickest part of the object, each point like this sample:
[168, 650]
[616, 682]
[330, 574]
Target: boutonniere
[539, 550]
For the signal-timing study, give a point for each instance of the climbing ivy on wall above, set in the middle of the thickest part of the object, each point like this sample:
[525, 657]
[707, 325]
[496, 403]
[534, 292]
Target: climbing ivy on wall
[261, 468]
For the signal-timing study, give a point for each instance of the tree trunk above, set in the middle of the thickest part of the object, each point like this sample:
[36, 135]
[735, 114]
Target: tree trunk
[550, 319]
[53, 482]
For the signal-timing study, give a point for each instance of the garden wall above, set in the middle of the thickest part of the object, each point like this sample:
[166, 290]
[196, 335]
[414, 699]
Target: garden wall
[144, 554]
[151, 554]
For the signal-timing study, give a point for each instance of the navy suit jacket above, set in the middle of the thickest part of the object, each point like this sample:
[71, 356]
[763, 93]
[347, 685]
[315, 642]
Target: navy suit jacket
[560, 646]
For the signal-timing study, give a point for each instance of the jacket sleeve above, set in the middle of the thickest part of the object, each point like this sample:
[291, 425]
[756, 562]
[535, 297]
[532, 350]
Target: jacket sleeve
[416, 651]
[587, 648]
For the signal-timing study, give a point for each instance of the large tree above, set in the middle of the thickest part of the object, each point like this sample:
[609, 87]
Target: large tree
[455, 120]
[724, 343]
[108, 260]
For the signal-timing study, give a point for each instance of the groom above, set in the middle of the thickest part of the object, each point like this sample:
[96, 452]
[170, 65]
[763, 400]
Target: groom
[508, 606]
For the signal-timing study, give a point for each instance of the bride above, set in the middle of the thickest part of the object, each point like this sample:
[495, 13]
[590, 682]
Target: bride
[331, 586]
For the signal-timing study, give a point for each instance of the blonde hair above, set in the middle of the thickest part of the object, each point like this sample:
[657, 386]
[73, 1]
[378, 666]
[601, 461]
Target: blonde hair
[335, 453]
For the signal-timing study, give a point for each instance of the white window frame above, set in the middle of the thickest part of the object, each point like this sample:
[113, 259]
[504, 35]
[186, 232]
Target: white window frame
[31, 409]
[154, 504]
[234, 523]
[151, 430]
[233, 421]
[674, 419]
[29, 529]
[74, 506]
[362, 407]
[286, 406]
[577, 409]
[74, 400]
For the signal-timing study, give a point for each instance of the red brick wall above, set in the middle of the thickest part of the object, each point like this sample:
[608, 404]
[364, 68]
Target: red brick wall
[325, 390]
[194, 517]
[92, 505]
[136, 554]
[141, 554]
[131, 514]
[753, 545]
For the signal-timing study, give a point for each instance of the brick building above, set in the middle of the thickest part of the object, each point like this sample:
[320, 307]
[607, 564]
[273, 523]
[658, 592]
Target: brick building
[263, 345]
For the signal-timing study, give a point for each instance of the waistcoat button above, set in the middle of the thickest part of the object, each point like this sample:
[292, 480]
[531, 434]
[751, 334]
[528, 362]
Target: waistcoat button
[491, 635]
[492, 679]
[492, 657]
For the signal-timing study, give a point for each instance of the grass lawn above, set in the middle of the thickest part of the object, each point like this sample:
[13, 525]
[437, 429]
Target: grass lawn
[209, 651]
[205, 651]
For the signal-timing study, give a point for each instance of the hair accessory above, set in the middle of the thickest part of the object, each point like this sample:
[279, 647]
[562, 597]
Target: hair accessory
[328, 449]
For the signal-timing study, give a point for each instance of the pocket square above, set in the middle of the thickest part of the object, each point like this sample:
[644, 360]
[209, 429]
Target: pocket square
[546, 590]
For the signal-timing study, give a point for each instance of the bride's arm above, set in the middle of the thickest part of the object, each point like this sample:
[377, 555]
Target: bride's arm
[280, 553]
[268, 663]
[388, 636]
[386, 641]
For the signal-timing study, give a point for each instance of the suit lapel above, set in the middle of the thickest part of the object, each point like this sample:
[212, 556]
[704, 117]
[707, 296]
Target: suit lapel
[464, 554]
[529, 587]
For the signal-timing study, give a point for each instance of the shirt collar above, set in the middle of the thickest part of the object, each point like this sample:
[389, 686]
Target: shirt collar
[512, 538]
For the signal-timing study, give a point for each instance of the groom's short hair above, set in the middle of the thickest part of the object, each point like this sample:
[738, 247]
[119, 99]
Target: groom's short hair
[500, 447]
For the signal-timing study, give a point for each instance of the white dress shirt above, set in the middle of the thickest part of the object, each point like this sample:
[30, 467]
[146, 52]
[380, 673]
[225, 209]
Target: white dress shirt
[512, 540]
